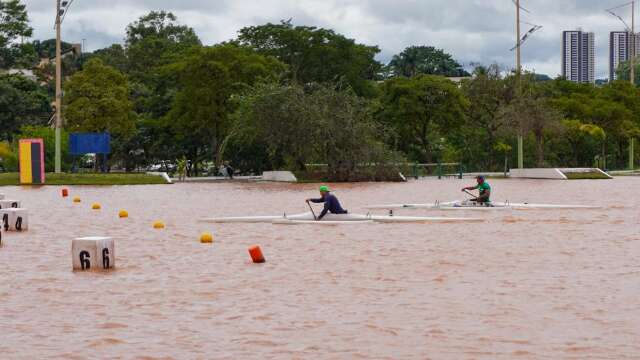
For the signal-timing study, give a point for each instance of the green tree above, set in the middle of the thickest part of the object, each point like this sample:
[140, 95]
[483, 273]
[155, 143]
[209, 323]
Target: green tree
[316, 55]
[156, 39]
[423, 110]
[296, 126]
[114, 56]
[531, 113]
[486, 122]
[22, 102]
[14, 25]
[207, 79]
[97, 100]
[47, 48]
[416, 60]
[504, 149]
[614, 107]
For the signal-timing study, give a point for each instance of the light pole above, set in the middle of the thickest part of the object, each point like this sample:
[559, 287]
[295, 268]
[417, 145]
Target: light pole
[58, 161]
[632, 73]
[62, 7]
[632, 42]
[519, 41]
[518, 74]
[632, 60]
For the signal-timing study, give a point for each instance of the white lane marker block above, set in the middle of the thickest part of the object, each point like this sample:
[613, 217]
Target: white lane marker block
[8, 203]
[14, 219]
[1, 196]
[93, 253]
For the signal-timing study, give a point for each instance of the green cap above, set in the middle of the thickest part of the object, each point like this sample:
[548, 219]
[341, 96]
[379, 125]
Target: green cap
[324, 188]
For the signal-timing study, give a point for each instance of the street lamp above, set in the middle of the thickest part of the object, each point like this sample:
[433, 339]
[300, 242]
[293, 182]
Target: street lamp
[519, 40]
[631, 31]
[61, 11]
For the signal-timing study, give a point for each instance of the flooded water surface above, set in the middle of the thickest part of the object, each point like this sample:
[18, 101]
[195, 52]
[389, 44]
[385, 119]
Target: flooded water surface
[549, 284]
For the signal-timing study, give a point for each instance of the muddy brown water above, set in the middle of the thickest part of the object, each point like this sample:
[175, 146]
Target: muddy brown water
[553, 284]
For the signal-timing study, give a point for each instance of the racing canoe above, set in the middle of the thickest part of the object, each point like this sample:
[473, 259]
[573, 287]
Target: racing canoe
[470, 205]
[332, 219]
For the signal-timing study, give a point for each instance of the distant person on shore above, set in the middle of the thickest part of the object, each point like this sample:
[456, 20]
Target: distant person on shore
[229, 170]
[181, 166]
[331, 203]
[484, 190]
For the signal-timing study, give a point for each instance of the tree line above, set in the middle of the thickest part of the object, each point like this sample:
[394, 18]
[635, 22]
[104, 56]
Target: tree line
[284, 96]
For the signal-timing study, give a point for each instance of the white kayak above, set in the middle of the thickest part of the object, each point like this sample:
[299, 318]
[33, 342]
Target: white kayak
[333, 219]
[472, 205]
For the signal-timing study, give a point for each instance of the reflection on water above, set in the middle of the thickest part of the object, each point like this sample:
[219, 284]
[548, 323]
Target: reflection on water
[523, 284]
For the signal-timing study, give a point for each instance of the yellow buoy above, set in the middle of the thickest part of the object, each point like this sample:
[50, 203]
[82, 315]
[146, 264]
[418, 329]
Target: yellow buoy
[206, 238]
[76, 199]
[158, 225]
[96, 206]
[123, 214]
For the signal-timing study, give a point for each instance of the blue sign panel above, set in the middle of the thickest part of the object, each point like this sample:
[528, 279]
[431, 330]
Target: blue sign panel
[89, 143]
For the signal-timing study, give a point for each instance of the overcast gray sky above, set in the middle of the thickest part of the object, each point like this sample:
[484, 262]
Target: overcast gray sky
[471, 30]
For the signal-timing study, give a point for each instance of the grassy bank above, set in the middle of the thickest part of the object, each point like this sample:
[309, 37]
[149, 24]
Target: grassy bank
[587, 175]
[88, 179]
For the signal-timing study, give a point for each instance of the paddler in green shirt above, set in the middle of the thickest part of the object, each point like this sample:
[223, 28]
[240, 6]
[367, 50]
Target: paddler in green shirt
[483, 188]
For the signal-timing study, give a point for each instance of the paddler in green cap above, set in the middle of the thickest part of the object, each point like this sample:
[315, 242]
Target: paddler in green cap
[331, 203]
[484, 189]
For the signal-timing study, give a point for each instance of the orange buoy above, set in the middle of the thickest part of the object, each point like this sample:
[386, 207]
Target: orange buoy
[123, 214]
[256, 254]
[96, 206]
[206, 238]
[76, 199]
[65, 192]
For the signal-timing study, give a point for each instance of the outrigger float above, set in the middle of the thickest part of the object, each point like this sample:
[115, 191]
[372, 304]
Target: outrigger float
[335, 219]
[472, 205]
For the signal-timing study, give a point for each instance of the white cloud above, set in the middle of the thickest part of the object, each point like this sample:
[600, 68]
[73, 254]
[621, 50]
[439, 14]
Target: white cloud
[471, 30]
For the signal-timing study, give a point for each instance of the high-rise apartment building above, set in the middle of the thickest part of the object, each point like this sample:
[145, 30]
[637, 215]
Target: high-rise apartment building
[578, 56]
[620, 50]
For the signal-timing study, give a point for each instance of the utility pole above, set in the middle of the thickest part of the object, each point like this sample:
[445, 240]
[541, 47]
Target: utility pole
[632, 63]
[58, 160]
[518, 74]
[631, 31]
[632, 73]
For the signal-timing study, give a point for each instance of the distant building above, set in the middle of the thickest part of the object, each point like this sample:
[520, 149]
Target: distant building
[578, 56]
[620, 50]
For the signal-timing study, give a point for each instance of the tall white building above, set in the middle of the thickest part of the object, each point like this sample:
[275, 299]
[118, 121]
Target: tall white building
[620, 50]
[578, 56]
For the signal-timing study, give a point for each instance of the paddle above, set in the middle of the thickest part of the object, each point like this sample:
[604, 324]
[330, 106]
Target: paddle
[312, 212]
[471, 194]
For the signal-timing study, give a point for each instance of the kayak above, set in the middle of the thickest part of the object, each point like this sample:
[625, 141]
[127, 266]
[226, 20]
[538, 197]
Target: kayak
[472, 205]
[333, 219]
[321, 222]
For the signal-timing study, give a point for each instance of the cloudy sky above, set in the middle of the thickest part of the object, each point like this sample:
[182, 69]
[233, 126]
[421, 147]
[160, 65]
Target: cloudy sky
[474, 31]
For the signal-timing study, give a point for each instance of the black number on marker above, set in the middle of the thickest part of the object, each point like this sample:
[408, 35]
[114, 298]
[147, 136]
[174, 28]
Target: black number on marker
[84, 260]
[105, 258]
[5, 222]
[19, 223]
[14, 204]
